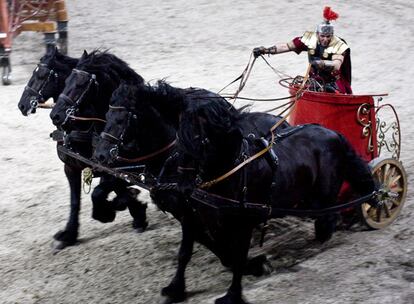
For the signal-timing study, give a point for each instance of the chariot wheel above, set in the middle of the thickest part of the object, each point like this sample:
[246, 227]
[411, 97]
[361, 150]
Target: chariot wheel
[392, 180]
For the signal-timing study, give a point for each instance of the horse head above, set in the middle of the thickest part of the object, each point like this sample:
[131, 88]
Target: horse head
[121, 122]
[47, 81]
[89, 88]
[134, 127]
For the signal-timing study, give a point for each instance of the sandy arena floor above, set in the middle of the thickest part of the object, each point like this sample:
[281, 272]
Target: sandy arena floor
[205, 44]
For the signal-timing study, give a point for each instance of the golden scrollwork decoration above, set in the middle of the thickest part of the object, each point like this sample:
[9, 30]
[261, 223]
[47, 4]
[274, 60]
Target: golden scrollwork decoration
[388, 136]
[364, 120]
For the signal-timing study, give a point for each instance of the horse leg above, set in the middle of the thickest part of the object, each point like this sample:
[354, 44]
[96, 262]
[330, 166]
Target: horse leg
[137, 209]
[325, 226]
[238, 248]
[175, 291]
[101, 209]
[258, 266]
[69, 235]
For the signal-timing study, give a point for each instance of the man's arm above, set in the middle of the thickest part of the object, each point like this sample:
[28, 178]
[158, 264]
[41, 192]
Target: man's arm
[329, 65]
[276, 49]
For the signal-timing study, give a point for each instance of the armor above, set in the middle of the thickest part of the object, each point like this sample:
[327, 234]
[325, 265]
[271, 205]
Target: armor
[336, 46]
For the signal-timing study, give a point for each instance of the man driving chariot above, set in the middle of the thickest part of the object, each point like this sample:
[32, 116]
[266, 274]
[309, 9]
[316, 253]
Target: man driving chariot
[328, 54]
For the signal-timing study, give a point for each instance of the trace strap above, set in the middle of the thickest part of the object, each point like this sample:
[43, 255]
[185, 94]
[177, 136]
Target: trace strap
[239, 166]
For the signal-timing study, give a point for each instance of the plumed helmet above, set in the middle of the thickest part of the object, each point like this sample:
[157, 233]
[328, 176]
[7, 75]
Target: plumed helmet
[326, 27]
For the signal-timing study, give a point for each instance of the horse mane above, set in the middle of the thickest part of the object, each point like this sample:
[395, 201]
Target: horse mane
[60, 61]
[98, 61]
[124, 92]
[166, 99]
[220, 118]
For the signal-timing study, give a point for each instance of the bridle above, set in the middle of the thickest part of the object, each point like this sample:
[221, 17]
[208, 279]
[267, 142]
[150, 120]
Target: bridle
[74, 104]
[117, 141]
[37, 95]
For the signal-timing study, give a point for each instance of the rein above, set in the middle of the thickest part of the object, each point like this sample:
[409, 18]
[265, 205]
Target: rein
[86, 118]
[266, 149]
[117, 140]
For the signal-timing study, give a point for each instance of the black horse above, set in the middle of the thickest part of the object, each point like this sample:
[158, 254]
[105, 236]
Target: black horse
[47, 81]
[79, 137]
[146, 119]
[309, 167]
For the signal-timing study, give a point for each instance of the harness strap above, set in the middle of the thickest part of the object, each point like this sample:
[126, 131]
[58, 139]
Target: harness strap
[148, 156]
[109, 137]
[239, 166]
[86, 118]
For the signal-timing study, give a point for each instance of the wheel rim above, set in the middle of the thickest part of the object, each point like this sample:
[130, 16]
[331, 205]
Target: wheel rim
[392, 180]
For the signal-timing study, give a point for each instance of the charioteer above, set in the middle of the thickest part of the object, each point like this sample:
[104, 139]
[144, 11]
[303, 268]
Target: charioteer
[328, 54]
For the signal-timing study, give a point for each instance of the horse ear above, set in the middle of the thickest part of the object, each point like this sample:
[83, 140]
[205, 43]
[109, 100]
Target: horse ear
[85, 53]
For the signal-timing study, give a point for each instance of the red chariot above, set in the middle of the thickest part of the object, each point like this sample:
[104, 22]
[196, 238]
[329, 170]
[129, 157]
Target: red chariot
[360, 119]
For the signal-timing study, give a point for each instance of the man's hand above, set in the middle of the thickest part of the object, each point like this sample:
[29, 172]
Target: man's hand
[257, 51]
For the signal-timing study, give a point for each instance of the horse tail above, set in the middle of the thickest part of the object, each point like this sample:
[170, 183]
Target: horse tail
[357, 171]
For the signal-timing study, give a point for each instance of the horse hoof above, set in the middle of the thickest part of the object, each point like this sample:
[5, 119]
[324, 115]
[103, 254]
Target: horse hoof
[57, 246]
[168, 300]
[171, 295]
[230, 299]
[103, 217]
[66, 237]
[258, 266]
[139, 227]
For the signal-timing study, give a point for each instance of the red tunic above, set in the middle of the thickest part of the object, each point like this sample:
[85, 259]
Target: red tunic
[343, 79]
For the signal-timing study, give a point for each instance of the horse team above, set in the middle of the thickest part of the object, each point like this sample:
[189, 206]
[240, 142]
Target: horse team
[188, 138]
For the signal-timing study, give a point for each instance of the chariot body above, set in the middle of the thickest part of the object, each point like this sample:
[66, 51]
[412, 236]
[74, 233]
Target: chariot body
[360, 118]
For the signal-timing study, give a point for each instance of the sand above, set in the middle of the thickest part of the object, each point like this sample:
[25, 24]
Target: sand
[205, 44]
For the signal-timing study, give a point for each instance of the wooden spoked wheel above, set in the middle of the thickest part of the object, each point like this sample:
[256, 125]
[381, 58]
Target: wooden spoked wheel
[392, 179]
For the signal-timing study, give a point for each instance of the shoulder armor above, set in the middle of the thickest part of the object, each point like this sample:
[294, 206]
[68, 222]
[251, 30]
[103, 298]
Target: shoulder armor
[309, 39]
[337, 46]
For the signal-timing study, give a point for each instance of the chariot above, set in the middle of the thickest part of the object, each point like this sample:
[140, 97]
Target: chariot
[372, 128]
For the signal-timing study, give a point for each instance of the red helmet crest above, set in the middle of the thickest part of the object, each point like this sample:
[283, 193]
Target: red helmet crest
[329, 14]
